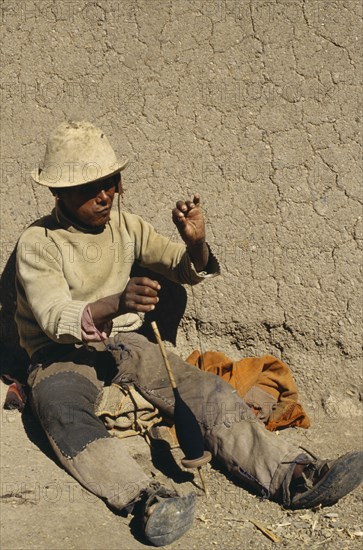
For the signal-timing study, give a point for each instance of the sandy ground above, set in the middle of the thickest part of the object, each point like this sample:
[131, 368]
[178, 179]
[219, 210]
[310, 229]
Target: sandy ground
[42, 507]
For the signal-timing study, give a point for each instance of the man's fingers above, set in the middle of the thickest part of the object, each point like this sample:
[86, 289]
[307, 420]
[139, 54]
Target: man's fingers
[143, 295]
[140, 295]
[145, 291]
[181, 206]
[146, 283]
[187, 205]
[132, 305]
[144, 309]
[137, 299]
[178, 216]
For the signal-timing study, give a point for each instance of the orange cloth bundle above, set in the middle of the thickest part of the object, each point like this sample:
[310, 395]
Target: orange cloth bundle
[265, 383]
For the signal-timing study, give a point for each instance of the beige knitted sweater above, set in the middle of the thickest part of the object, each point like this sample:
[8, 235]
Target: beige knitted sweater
[61, 268]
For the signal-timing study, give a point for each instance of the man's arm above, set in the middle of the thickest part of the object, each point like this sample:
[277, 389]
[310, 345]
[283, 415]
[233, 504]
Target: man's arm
[43, 291]
[141, 293]
[140, 296]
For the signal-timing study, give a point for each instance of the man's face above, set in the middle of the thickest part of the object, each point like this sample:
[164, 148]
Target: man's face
[91, 203]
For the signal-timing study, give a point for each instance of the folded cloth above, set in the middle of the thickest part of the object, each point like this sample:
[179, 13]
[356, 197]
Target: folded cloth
[265, 383]
[125, 412]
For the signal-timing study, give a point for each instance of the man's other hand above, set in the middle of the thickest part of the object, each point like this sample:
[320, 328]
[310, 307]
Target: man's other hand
[140, 295]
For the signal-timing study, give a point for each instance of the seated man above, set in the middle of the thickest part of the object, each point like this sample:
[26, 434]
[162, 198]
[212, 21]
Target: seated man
[77, 313]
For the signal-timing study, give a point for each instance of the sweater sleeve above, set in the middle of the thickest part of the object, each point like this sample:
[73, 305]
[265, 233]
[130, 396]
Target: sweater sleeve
[167, 257]
[40, 273]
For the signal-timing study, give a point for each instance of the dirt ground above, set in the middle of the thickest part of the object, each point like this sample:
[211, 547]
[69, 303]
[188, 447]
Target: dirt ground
[43, 508]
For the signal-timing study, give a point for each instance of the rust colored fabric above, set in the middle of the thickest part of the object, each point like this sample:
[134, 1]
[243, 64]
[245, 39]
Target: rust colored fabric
[265, 382]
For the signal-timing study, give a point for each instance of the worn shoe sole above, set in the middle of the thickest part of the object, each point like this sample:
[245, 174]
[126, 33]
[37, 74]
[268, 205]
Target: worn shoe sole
[170, 519]
[345, 474]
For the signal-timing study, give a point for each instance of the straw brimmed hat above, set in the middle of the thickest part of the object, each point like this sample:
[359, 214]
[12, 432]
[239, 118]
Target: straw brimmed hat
[77, 153]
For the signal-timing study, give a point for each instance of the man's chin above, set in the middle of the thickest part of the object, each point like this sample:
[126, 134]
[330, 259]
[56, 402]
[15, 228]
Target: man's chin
[99, 225]
[100, 221]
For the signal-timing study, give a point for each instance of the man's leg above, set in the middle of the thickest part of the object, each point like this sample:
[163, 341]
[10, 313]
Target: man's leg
[231, 431]
[63, 398]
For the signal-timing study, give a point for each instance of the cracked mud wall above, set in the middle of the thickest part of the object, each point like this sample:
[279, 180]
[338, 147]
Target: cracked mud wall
[254, 105]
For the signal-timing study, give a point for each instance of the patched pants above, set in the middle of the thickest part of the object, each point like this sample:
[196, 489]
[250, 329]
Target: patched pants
[64, 391]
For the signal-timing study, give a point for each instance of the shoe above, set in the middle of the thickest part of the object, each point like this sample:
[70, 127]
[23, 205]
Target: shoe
[166, 515]
[324, 482]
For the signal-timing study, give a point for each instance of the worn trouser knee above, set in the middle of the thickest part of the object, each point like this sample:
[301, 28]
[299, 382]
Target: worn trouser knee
[63, 399]
[64, 405]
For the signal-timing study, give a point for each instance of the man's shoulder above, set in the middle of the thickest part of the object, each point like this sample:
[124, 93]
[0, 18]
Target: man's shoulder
[39, 227]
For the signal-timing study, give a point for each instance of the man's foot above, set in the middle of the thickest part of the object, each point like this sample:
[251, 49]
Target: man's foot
[324, 482]
[166, 515]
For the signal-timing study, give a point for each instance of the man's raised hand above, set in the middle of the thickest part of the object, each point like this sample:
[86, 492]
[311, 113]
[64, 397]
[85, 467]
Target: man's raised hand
[189, 220]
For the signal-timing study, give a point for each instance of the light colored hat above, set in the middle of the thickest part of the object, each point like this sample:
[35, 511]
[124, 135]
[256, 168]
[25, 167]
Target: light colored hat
[77, 153]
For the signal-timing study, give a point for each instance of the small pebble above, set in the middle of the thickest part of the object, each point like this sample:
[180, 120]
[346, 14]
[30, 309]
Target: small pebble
[336, 525]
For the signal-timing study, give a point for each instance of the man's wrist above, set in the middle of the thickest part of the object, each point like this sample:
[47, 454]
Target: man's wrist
[199, 254]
